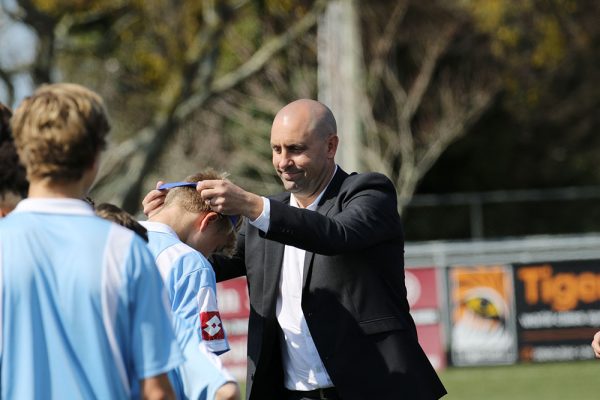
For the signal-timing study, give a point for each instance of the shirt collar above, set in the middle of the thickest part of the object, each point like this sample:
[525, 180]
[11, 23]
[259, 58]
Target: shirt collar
[313, 206]
[66, 206]
[159, 227]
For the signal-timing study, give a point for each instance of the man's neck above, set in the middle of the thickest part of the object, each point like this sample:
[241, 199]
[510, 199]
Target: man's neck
[178, 221]
[44, 188]
[182, 224]
[305, 201]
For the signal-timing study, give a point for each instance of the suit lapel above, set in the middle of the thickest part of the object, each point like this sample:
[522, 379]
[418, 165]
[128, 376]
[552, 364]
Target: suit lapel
[273, 263]
[325, 205]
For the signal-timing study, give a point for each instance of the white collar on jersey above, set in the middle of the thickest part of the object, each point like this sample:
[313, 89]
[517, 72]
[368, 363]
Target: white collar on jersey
[158, 227]
[68, 206]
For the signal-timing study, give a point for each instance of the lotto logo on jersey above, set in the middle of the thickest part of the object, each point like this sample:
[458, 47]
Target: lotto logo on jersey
[211, 325]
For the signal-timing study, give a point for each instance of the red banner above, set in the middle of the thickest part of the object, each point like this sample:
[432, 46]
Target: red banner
[234, 306]
[422, 291]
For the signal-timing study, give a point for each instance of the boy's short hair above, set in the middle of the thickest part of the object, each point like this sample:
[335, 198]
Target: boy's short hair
[12, 173]
[59, 131]
[188, 197]
[190, 200]
[116, 214]
[5, 114]
[13, 184]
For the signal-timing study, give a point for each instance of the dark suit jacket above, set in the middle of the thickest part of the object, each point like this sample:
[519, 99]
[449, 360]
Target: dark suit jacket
[354, 297]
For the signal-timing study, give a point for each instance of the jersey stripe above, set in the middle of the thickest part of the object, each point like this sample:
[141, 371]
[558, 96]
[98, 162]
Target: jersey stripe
[167, 257]
[117, 247]
[1, 306]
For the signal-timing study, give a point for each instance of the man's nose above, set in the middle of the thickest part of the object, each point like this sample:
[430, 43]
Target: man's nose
[284, 161]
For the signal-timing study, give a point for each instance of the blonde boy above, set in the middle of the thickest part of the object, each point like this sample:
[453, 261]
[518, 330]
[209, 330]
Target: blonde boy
[83, 311]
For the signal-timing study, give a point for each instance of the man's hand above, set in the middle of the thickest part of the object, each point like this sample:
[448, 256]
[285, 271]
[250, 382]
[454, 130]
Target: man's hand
[226, 198]
[596, 344]
[154, 200]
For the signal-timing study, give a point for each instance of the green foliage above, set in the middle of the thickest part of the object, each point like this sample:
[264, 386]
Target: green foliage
[535, 41]
[532, 27]
[542, 56]
[58, 8]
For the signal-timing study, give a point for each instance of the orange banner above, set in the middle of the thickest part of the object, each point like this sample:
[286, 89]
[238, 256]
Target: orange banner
[482, 318]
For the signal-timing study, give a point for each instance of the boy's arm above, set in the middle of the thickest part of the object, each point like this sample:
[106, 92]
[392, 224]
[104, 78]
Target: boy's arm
[156, 388]
[195, 300]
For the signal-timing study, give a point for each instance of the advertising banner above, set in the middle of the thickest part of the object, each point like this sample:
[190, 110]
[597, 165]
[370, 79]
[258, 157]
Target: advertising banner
[423, 298]
[558, 309]
[482, 317]
[234, 306]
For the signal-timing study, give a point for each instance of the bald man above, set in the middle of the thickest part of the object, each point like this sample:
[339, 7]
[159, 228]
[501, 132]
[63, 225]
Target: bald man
[329, 316]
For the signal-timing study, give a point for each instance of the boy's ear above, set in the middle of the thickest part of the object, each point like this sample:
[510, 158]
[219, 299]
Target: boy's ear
[205, 219]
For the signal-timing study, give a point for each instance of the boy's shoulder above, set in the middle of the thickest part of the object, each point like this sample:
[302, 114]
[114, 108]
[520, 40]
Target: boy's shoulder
[191, 260]
[13, 220]
[178, 258]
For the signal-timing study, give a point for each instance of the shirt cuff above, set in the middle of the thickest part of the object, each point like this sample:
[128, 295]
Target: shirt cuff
[262, 222]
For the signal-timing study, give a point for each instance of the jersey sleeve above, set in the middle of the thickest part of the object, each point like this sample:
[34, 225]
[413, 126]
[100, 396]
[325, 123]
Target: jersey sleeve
[153, 342]
[195, 300]
[202, 374]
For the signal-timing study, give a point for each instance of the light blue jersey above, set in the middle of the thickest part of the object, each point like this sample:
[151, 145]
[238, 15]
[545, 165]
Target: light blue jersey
[202, 374]
[83, 312]
[191, 284]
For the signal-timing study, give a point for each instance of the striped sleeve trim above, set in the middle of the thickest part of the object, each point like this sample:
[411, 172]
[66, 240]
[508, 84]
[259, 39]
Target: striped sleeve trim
[1, 303]
[168, 256]
[115, 256]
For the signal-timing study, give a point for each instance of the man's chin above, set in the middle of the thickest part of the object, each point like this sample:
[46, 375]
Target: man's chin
[290, 186]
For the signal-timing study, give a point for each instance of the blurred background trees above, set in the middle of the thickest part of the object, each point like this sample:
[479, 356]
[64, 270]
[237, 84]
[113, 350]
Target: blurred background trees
[453, 96]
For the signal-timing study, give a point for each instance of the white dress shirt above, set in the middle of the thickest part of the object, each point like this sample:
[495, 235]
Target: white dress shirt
[302, 365]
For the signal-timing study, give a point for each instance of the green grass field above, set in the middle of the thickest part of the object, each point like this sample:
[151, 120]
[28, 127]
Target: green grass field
[553, 381]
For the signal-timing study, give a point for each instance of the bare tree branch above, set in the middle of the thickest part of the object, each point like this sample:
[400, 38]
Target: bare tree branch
[421, 83]
[255, 63]
[138, 154]
[383, 47]
[44, 25]
[461, 108]
[427, 113]
[453, 125]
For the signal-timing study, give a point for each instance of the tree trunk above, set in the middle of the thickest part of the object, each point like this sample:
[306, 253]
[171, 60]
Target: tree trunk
[340, 76]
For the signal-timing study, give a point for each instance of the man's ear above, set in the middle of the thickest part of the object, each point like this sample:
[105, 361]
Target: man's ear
[332, 144]
[205, 220]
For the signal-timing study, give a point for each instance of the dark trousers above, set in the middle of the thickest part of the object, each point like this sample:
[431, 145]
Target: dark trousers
[317, 394]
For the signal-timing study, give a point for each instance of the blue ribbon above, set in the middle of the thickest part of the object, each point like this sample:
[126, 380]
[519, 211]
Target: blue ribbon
[170, 185]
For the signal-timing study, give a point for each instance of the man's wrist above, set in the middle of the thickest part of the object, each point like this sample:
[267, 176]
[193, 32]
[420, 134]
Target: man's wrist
[263, 220]
[255, 208]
